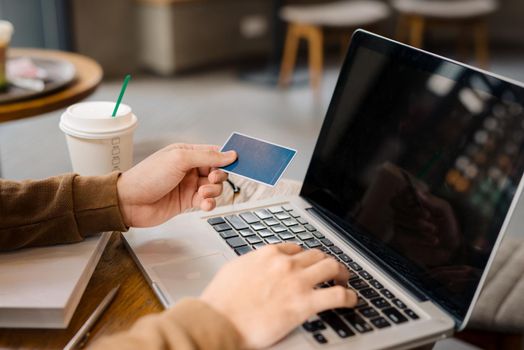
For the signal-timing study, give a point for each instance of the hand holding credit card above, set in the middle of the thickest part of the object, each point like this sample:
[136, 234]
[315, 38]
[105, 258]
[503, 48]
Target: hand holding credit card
[257, 160]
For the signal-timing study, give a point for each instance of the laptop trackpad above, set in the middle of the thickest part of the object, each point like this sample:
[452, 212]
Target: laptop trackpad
[188, 277]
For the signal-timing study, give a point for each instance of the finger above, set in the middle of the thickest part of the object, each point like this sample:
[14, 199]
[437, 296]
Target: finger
[188, 159]
[208, 204]
[210, 191]
[217, 176]
[309, 257]
[289, 248]
[326, 270]
[330, 298]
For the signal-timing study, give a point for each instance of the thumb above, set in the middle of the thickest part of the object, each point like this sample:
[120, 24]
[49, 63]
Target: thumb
[189, 159]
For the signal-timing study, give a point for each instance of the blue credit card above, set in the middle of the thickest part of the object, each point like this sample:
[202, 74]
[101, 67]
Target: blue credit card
[258, 160]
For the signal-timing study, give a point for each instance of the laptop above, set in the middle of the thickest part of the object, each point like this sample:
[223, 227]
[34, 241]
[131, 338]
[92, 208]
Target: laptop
[412, 184]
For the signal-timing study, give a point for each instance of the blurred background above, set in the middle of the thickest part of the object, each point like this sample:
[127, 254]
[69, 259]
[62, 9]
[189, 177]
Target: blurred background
[204, 68]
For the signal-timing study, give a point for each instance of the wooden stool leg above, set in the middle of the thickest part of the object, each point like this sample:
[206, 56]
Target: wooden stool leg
[416, 31]
[316, 46]
[290, 55]
[400, 33]
[462, 43]
[481, 43]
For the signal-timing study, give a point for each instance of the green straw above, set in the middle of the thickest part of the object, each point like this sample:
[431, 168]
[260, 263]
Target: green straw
[124, 86]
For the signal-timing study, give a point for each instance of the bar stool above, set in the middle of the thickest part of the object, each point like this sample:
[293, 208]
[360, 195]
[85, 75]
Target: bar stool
[307, 22]
[417, 15]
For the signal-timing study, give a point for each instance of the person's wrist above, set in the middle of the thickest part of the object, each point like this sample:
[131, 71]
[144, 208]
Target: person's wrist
[227, 314]
[125, 210]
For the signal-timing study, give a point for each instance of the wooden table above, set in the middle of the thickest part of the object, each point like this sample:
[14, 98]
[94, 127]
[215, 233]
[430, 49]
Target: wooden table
[88, 77]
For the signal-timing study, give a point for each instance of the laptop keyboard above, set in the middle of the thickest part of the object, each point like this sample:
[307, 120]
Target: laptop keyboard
[377, 307]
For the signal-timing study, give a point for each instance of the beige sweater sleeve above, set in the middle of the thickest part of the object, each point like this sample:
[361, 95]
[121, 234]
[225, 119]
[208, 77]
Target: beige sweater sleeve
[60, 209]
[191, 324]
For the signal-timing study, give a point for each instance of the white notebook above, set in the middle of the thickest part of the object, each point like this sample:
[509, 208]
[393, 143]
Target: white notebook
[41, 287]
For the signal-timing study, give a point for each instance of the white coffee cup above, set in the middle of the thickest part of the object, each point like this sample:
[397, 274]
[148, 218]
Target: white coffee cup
[99, 143]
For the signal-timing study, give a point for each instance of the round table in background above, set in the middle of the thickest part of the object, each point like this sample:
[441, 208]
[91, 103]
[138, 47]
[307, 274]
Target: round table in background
[88, 77]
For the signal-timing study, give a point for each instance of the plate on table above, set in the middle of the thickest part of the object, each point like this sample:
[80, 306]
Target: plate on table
[59, 73]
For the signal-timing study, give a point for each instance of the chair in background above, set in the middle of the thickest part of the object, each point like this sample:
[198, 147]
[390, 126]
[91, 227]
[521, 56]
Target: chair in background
[469, 15]
[308, 21]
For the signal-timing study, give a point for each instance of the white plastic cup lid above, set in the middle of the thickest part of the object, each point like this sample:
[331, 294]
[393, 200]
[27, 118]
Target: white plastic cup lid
[6, 31]
[94, 120]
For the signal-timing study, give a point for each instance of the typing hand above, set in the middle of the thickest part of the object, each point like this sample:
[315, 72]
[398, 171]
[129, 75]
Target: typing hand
[269, 292]
[176, 178]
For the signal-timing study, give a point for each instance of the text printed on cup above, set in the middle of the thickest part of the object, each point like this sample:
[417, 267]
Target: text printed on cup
[115, 153]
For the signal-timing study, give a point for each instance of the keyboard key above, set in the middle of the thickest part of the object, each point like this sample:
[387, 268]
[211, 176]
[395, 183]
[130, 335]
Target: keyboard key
[246, 233]
[394, 315]
[345, 258]
[380, 303]
[275, 210]
[297, 229]
[368, 312]
[336, 250]
[361, 302]
[222, 227]
[355, 266]
[282, 216]
[380, 322]
[399, 304]
[272, 222]
[236, 242]
[376, 284]
[278, 228]
[236, 222]
[358, 323]
[285, 235]
[358, 284]
[272, 240]
[301, 220]
[287, 207]
[411, 314]
[243, 250]
[314, 326]
[249, 217]
[294, 240]
[326, 242]
[320, 338]
[258, 226]
[263, 214]
[324, 249]
[387, 293]
[334, 321]
[344, 311]
[215, 221]
[317, 234]
[305, 236]
[294, 214]
[290, 222]
[368, 293]
[312, 243]
[228, 234]
[259, 245]
[265, 233]
[365, 275]
[253, 239]
[310, 227]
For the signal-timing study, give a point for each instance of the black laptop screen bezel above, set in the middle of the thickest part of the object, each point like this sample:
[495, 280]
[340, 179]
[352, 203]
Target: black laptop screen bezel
[427, 62]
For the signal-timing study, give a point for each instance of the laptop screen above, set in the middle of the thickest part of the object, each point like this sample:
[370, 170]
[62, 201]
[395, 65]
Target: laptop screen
[418, 161]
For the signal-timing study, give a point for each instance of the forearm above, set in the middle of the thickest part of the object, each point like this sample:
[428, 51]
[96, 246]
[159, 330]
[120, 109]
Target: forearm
[60, 209]
[189, 325]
